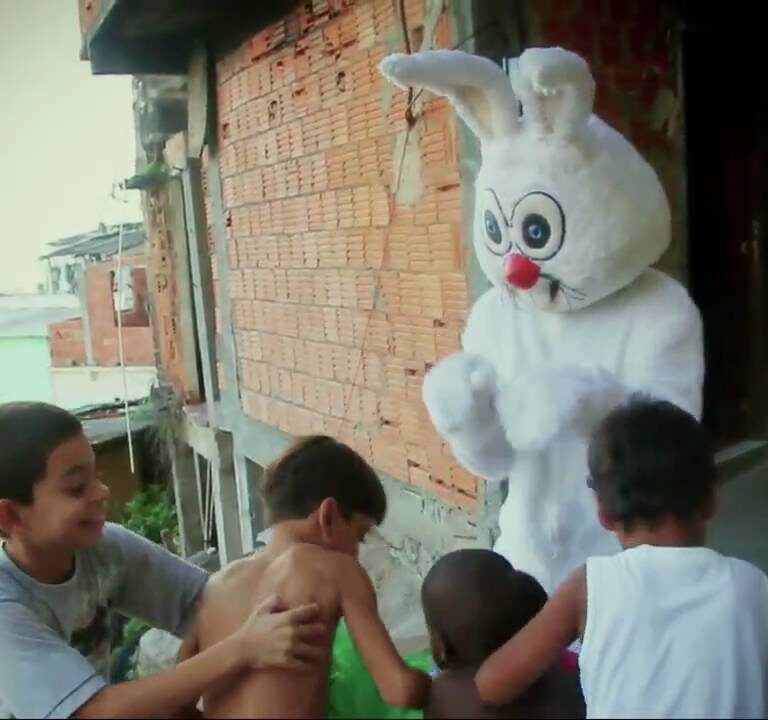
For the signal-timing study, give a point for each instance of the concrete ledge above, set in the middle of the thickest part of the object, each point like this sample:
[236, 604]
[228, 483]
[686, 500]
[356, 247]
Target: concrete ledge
[198, 434]
[736, 460]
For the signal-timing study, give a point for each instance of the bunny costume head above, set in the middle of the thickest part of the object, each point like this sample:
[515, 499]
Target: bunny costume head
[566, 210]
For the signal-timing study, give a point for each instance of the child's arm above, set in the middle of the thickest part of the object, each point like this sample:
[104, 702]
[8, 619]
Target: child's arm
[398, 684]
[189, 648]
[515, 666]
[265, 640]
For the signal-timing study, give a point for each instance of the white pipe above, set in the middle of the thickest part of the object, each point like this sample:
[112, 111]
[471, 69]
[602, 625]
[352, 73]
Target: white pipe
[209, 504]
[120, 354]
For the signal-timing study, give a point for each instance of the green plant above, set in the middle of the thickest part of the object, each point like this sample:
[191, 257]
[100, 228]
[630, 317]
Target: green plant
[125, 649]
[151, 513]
[133, 628]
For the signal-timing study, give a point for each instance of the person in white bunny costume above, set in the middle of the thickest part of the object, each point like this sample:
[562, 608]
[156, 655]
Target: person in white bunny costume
[568, 220]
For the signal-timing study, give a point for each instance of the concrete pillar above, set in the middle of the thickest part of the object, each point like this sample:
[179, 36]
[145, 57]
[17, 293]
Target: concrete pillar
[202, 282]
[248, 475]
[82, 294]
[188, 508]
[225, 498]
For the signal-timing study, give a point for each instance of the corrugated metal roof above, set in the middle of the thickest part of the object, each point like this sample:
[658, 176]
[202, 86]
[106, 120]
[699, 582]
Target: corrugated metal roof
[104, 429]
[98, 242]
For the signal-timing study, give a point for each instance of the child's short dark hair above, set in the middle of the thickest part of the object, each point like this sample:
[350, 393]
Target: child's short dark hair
[477, 601]
[29, 433]
[648, 460]
[318, 467]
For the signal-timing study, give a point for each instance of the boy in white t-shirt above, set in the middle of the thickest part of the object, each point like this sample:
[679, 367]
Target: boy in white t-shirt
[669, 628]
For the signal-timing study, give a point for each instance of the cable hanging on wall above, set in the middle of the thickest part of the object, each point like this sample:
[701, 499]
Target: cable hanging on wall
[120, 344]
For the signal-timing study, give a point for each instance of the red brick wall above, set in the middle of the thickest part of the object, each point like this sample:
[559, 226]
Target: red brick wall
[164, 291]
[137, 341]
[342, 297]
[67, 343]
[68, 340]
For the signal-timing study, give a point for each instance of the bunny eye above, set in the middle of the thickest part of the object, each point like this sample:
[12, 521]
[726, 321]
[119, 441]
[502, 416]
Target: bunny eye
[538, 226]
[536, 231]
[492, 229]
[495, 239]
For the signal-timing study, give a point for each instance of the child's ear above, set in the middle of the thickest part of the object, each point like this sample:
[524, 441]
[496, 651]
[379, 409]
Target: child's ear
[606, 520]
[327, 515]
[9, 517]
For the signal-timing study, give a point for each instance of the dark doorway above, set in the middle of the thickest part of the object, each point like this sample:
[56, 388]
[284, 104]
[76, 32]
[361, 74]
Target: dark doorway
[726, 138]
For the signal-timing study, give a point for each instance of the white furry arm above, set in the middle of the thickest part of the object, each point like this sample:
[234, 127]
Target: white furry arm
[666, 359]
[460, 396]
[537, 407]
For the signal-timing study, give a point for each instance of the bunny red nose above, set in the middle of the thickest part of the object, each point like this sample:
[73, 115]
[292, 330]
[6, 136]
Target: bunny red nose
[521, 272]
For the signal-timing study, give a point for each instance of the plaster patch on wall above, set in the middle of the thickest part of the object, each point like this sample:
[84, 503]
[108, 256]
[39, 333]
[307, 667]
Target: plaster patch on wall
[406, 169]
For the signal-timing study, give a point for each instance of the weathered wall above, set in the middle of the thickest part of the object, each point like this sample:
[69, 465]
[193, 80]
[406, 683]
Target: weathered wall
[168, 275]
[75, 387]
[67, 343]
[67, 338]
[25, 366]
[343, 295]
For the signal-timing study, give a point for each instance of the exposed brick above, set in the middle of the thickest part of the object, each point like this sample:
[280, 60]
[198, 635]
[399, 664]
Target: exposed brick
[341, 297]
[68, 339]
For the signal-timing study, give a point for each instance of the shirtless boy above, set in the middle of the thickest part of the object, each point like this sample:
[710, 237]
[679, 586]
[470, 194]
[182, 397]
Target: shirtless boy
[322, 498]
[474, 601]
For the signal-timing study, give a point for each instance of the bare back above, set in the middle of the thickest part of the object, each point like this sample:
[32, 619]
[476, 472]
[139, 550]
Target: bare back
[298, 575]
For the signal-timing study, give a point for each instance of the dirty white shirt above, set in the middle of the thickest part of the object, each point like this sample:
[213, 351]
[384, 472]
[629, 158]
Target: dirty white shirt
[675, 632]
[54, 639]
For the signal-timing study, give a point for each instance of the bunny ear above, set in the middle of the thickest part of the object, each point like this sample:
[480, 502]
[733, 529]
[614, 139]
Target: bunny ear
[478, 89]
[556, 89]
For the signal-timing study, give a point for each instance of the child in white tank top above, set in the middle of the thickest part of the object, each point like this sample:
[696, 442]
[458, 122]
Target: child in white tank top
[669, 628]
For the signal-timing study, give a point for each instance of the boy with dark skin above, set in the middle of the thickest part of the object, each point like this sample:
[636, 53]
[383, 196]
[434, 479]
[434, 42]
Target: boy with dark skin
[63, 569]
[474, 601]
[322, 499]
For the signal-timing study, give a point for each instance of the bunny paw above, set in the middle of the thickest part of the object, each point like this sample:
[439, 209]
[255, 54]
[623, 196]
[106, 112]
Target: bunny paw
[459, 393]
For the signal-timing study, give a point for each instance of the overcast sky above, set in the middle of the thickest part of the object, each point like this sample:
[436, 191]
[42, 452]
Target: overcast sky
[66, 136]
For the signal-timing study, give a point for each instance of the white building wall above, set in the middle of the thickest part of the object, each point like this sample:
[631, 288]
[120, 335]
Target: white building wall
[74, 387]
